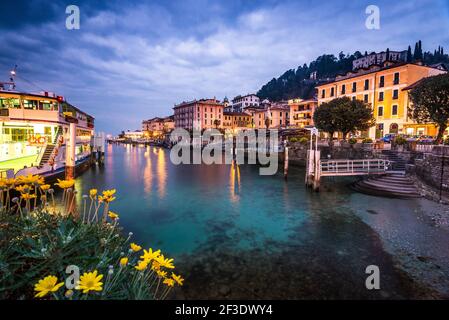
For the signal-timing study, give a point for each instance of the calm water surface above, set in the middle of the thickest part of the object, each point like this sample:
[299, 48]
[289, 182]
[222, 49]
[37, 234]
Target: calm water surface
[236, 234]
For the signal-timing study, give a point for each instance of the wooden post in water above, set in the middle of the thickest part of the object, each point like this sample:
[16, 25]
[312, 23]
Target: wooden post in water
[285, 162]
[317, 174]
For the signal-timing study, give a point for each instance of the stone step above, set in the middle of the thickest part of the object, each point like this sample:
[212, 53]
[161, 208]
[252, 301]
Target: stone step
[386, 187]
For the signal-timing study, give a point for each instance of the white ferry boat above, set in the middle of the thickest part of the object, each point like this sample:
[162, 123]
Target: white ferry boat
[42, 133]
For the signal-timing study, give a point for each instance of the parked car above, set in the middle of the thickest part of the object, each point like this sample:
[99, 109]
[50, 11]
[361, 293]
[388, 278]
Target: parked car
[388, 138]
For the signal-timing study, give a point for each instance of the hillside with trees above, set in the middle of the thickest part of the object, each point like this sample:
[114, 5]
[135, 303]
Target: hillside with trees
[301, 82]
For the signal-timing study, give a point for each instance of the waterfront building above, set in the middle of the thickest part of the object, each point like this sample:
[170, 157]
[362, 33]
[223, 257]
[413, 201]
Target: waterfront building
[379, 58]
[269, 115]
[42, 133]
[382, 86]
[239, 103]
[133, 135]
[301, 112]
[236, 120]
[199, 114]
[157, 126]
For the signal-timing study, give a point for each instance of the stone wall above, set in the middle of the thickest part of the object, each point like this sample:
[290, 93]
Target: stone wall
[431, 174]
[297, 154]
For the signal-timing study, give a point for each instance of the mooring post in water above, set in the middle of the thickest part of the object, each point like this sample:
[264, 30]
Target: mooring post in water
[317, 173]
[285, 159]
[70, 153]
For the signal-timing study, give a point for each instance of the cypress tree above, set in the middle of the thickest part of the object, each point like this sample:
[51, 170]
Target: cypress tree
[409, 54]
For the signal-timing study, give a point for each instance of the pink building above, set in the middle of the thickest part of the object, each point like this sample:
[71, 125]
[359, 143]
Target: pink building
[199, 114]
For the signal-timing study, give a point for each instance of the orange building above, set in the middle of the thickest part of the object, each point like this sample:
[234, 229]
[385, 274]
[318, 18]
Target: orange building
[301, 112]
[382, 88]
[199, 114]
[236, 120]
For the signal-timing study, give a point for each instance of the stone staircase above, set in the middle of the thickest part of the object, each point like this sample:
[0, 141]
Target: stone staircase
[398, 164]
[393, 185]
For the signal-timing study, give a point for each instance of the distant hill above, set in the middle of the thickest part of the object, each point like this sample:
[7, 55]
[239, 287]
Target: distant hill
[299, 83]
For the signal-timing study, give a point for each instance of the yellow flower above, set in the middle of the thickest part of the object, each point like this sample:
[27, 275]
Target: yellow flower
[108, 196]
[155, 266]
[23, 188]
[169, 282]
[150, 254]
[65, 184]
[161, 273]
[112, 215]
[27, 196]
[141, 265]
[166, 263]
[45, 187]
[90, 282]
[9, 182]
[47, 285]
[123, 261]
[93, 192]
[30, 179]
[135, 247]
[178, 279]
[68, 294]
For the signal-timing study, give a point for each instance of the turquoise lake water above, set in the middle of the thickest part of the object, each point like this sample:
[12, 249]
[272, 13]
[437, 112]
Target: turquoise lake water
[236, 234]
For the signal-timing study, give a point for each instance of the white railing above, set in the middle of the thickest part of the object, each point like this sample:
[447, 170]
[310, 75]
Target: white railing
[353, 167]
[424, 147]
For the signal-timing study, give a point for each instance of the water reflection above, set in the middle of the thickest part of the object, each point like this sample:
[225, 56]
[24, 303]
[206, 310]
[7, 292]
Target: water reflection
[161, 173]
[234, 189]
[148, 173]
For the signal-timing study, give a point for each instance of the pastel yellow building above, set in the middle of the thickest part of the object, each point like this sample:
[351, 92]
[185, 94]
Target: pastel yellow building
[383, 88]
[301, 112]
[236, 120]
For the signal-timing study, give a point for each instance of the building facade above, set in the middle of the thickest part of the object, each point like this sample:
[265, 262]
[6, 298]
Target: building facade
[199, 114]
[382, 88]
[301, 112]
[236, 120]
[379, 58]
[158, 126]
[239, 103]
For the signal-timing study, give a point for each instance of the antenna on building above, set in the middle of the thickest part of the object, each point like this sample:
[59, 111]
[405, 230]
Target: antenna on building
[11, 85]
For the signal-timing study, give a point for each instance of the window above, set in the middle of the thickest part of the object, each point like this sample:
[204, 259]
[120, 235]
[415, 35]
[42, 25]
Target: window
[332, 92]
[365, 98]
[367, 84]
[343, 89]
[323, 94]
[380, 111]
[396, 78]
[395, 94]
[9, 103]
[280, 114]
[382, 82]
[394, 110]
[354, 86]
[30, 104]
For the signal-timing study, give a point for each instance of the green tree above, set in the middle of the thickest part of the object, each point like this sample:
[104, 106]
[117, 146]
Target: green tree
[430, 102]
[343, 115]
[324, 119]
[352, 115]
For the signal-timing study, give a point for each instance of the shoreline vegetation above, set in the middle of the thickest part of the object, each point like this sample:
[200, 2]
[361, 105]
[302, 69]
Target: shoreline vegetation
[48, 250]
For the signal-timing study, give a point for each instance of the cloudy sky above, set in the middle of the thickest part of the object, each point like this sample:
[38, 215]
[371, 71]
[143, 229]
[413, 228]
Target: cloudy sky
[132, 60]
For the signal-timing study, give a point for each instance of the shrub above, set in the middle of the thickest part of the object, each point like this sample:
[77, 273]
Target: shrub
[400, 141]
[304, 140]
[293, 139]
[39, 239]
[367, 140]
